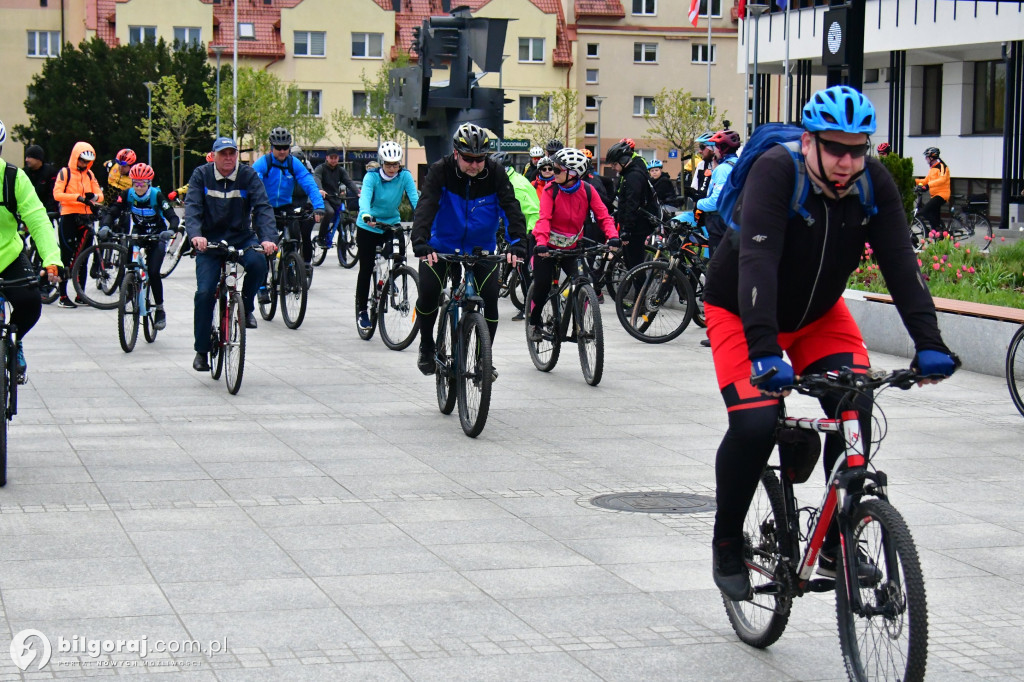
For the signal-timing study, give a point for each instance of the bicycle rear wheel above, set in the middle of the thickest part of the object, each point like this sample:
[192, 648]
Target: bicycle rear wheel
[589, 334]
[97, 274]
[887, 638]
[293, 290]
[444, 375]
[128, 313]
[397, 309]
[319, 251]
[234, 349]
[149, 321]
[515, 290]
[175, 249]
[1015, 369]
[473, 375]
[348, 252]
[544, 352]
[268, 309]
[655, 302]
[979, 230]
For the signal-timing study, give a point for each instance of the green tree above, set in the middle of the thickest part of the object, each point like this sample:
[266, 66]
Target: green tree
[679, 118]
[174, 122]
[262, 104]
[902, 171]
[378, 123]
[557, 117]
[306, 126]
[344, 126]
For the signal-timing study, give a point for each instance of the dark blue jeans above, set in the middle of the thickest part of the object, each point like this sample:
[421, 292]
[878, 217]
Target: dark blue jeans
[207, 277]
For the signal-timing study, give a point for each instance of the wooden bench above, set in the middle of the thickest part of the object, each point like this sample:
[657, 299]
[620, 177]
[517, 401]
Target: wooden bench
[950, 305]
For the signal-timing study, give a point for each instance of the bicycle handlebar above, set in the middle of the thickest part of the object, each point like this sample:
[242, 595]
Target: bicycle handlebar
[846, 379]
[233, 253]
[481, 257]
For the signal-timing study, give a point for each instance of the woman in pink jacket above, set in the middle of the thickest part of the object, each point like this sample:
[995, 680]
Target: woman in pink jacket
[564, 206]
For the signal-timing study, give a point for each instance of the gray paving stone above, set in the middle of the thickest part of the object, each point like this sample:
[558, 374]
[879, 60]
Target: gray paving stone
[521, 667]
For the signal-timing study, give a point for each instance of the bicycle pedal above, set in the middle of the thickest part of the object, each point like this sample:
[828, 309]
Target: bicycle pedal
[772, 588]
[821, 585]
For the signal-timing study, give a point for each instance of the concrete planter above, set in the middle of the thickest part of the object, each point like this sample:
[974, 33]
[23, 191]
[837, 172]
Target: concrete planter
[980, 343]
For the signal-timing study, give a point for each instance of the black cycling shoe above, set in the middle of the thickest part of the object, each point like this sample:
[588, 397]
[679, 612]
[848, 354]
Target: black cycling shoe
[729, 570]
[867, 572]
[200, 364]
[706, 343]
[250, 321]
[426, 362]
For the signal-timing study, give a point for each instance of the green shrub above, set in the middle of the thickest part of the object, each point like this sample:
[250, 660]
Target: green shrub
[902, 171]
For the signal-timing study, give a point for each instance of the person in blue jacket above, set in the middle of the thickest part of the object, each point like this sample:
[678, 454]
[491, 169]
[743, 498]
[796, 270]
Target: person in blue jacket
[280, 171]
[726, 143]
[379, 199]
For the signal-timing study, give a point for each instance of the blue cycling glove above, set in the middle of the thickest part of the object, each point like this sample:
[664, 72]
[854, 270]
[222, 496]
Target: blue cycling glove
[934, 362]
[782, 377]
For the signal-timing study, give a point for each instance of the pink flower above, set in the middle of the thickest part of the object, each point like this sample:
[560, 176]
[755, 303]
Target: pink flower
[1002, 239]
[971, 271]
[935, 258]
[959, 275]
[936, 266]
[956, 245]
[919, 263]
[857, 271]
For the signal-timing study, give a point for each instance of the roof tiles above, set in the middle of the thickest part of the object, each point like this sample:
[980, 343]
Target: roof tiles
[599, 8]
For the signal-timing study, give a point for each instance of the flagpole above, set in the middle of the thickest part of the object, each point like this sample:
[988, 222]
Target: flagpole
[785, 67]
[709, 52]
[746, 75]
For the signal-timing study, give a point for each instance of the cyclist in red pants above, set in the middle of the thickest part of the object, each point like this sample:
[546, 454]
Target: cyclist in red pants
[776, 285]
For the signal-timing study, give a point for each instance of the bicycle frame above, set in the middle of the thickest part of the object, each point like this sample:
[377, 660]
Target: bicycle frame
[383, 267]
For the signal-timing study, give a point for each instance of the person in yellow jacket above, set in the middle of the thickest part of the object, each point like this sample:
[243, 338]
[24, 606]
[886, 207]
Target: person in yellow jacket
[78, 192]
[117, 174]
[19, 200]
[936, 183]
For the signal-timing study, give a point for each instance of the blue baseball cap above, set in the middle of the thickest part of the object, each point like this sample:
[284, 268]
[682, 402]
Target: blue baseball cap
[224, 143]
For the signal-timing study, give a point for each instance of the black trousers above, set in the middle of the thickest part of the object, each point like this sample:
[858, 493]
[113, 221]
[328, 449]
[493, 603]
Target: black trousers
[930, 213]
[26, 306]
[432, 282]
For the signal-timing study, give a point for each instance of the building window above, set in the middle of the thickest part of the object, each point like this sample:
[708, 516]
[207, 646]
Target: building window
[716, 8]
[138, 34]
[593, 50]
[645, 7]
[931, 111]
[590, 102]
[592, 75]
[310, 44]
[531, 50]
[989, 96]
[188, 34]
[247, 31]
[644, 106]
[590, 148]
[309, 102]
[590, 129]
[43, 43]
[870, 75]
[368, 45]
[699, 53]
[648, 155]
[533, 108]
[645, 53]
[360, 104]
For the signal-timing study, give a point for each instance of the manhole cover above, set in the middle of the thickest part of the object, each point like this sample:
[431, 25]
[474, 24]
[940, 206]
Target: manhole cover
[656, 502]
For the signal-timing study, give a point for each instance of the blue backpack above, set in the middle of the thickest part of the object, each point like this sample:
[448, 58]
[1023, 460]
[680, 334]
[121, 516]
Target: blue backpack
[764, 138]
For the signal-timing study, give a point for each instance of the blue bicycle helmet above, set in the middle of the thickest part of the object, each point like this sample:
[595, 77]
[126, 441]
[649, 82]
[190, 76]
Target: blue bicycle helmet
[705, 140]
[656, 163]
[839, 108]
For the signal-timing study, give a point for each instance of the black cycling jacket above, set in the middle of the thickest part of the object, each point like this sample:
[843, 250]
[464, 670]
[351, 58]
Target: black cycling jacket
[780, 274]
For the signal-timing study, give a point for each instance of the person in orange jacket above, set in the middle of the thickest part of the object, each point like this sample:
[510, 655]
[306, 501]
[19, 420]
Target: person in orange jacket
[545, 174]
[936, 183]
[78, 192]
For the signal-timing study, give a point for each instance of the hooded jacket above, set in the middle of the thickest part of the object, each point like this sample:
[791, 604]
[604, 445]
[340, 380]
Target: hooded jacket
[635, 211]
[72, 183]
[33, 214]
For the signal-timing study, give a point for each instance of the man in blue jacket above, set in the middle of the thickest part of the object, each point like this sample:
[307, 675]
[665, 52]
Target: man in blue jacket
[280, 172]
[457, 212]
[226, 201]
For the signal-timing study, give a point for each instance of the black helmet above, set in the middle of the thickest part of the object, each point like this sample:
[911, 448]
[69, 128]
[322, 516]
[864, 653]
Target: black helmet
[502, 159]
[553, 146]
[280, 137]
[471, 139]
[932, 152]
[620, 152]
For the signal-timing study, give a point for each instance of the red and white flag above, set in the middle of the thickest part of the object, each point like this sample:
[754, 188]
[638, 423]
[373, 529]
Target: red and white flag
[694, 11]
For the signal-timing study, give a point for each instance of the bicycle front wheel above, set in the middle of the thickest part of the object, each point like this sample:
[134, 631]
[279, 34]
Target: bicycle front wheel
[128, 314]
[1015, 369]
[761, 620]
[268, 309]
[917, 233]
[444, 374]
[544, 352]
[149, 321]
[348, 252]
[397, 308]
[655, 302]
[979, 230]
[175, 249]
[97, 274]
[886, 638]
[234, 348]
[473, 376]
[589, 334]
[293, 290]
[7, 378]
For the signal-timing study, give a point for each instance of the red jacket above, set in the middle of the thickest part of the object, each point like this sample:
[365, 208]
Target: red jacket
[563, 213]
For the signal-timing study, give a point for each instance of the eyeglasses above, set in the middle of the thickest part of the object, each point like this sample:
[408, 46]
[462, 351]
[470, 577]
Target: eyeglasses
[391, 164]
[472, 159]
[839, 150]
[281, 148]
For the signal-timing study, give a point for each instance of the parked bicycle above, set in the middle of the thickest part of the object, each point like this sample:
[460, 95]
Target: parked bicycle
[136, 300]
[342, 233]
[1015, 369]
[286, 273]
[227, 338]
[570, 314]
[919, 231]
[463, 347]
[971, 213]
[880, 596]
[393, 292]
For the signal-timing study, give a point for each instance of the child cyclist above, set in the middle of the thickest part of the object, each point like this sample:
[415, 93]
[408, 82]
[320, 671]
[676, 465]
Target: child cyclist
[564, 206]
[379, 199]
[147, 205]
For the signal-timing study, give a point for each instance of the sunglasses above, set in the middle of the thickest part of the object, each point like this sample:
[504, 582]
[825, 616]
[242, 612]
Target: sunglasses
[281, 148]
[839, 150]
[472, 159]
[140, 183]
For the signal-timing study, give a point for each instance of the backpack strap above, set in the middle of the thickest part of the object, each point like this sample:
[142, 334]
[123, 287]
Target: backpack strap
[802, 185]
[865, 190]
[10, 197]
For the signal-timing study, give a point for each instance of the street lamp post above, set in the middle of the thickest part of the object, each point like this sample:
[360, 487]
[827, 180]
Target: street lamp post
[599, 99]
[234, 76]
[217, 49]
[149, 116]
[757, 10]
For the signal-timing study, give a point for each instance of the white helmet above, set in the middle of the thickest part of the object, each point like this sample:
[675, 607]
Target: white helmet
[571, 159]
[537, 152]
[390, 152]
[3, 133]
[88, 155]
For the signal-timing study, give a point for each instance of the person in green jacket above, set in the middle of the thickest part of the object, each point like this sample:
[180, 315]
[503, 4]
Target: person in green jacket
[529, 201]
[18, 199]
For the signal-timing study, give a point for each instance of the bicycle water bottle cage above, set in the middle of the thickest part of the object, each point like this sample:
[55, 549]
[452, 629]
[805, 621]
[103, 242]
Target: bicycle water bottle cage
[799, 450]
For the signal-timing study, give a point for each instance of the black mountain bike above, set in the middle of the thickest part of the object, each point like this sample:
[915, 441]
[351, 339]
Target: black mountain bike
[286, 273]
[570, 314]
[880, 596]
[136, 300]
[393, 292]
[227, 338]
[341, 234]
[9, 355]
